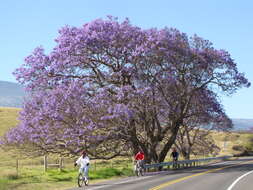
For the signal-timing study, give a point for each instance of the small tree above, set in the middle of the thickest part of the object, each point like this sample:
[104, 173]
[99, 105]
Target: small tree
[196, 128]
[205, 145]
[197, 134]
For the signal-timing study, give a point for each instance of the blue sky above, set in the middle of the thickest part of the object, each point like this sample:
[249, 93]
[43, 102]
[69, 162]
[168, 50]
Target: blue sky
[25, 24]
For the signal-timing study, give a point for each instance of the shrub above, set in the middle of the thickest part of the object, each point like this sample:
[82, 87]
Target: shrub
[240, 148]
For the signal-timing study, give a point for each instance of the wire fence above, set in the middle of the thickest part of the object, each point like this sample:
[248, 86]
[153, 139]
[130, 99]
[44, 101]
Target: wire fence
[17, 167]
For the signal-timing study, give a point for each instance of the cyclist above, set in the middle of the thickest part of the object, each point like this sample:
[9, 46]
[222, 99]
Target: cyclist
[174, 155]
[84, 163]
[139, 158]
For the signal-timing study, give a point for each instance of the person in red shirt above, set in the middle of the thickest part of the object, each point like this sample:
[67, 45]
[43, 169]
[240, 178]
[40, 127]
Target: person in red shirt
[139, 157]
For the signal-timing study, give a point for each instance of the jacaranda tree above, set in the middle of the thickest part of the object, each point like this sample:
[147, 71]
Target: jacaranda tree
[110, 86]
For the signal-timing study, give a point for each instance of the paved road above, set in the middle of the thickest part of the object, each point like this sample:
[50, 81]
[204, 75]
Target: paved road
[229, 175]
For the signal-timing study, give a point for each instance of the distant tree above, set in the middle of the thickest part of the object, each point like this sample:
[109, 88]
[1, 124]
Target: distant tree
[134, 88]
[205, 145]
[196, 129]
[238, 148]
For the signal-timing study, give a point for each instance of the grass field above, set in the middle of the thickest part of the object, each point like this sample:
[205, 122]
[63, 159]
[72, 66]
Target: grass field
[31, 176]
[226, 141]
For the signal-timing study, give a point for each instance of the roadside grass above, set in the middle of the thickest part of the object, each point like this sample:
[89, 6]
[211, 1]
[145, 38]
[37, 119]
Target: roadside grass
[3, 184]
[34, 178]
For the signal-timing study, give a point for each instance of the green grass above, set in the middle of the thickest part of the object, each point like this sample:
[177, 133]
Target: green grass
[3, 184]
[103, 173]
[33, 177]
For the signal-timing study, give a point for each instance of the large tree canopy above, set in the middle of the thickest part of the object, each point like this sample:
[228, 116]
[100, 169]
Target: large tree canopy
[115, 85]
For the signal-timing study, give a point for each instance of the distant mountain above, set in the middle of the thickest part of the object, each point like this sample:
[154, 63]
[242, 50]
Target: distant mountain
[242, 124]
[11, 94]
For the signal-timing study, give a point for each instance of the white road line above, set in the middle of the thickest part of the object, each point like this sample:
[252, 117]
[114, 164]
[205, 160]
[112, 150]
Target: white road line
[122, 182]
[238, 179]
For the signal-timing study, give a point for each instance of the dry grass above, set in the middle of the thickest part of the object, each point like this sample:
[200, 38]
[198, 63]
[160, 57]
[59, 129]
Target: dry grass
[226, 141]
[8, 118]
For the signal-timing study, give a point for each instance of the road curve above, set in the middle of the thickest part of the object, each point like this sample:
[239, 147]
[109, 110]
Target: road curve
[228, 175]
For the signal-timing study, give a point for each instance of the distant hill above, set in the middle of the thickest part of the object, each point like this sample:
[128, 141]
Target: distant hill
[242, 124]
[11, 94]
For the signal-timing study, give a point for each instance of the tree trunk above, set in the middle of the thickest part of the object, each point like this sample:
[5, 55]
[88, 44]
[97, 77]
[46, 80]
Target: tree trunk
[170, 142]
[186, 153]
[187, 156]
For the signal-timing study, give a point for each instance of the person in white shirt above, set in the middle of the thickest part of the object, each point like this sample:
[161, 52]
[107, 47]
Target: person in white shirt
[84, 163]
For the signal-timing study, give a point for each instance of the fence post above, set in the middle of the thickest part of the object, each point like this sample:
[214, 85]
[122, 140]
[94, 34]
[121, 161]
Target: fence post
[61, 163]
[17, 166]
[45, 163]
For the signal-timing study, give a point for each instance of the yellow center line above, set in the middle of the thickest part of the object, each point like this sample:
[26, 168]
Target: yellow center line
[194, 175]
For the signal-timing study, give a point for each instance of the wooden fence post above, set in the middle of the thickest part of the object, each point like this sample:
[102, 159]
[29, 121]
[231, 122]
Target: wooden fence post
[61, 163]
[17, 166]
[45, 163]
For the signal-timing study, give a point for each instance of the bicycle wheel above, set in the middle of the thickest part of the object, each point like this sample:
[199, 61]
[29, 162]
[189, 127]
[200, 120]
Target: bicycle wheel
[138, 172]
[86, 181]
[141, 171]
[80, 180]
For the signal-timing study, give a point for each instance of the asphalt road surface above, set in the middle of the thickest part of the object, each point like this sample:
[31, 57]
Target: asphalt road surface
[228, 175]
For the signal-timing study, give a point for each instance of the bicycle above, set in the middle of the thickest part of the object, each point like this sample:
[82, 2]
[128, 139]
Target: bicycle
[82, 180]
[138, 169]
[174, 166]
